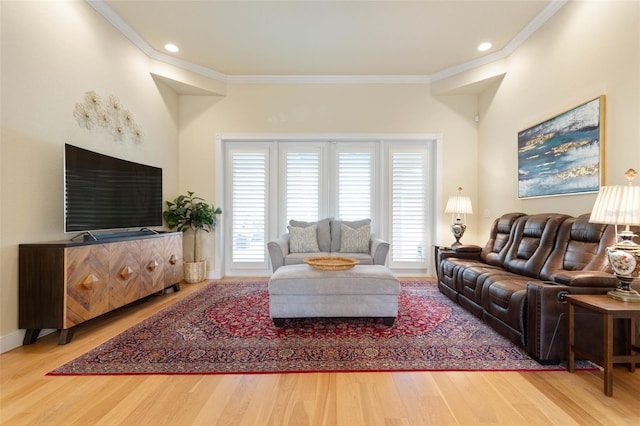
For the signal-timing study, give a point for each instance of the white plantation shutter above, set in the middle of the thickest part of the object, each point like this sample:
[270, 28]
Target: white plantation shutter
[248, 204]
[408, 207]
[268, 183]
[302, 181]
[354, 185]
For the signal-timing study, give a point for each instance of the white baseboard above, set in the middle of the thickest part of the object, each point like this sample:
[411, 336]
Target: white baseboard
[214, 275]
[14, 340]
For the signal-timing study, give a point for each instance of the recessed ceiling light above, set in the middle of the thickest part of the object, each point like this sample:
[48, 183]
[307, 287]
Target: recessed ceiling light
[484, 46]
[171, 47]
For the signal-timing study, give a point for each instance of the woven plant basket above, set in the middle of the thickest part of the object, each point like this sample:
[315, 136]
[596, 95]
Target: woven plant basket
[195, 272]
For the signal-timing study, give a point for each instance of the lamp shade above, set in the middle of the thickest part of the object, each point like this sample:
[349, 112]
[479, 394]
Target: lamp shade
[459, 204]
[617, 205]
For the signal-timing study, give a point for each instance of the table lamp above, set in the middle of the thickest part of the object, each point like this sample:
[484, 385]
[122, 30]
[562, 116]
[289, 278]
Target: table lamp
[459, 206]
[620, 206]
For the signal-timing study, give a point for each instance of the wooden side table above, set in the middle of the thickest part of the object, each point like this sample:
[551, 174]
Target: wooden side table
[610, 309]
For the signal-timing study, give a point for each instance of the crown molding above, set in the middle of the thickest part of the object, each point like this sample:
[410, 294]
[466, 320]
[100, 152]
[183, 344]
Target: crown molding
[204, 71]
[103, 9]
[468, 66]
[107, 13]
[332, 79]
[533, 26]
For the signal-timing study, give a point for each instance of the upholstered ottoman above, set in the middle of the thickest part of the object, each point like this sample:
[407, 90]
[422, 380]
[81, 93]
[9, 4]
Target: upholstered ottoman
[300, 291]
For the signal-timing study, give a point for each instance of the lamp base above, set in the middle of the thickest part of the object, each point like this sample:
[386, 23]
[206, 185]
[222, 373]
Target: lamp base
[457, 229]
[624, 258]
[625, 295]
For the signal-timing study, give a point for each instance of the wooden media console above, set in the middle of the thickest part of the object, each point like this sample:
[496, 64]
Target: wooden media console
[63, 284]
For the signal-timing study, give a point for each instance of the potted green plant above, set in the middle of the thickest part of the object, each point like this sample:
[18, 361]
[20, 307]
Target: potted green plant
[188, 212]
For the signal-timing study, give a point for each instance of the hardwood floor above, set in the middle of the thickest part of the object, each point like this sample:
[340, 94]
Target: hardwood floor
[29, 397]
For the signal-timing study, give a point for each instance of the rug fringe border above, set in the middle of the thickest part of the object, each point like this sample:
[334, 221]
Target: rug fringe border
[217, 373]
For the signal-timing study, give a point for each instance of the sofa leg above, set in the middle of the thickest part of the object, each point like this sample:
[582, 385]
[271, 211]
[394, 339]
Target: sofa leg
[388, 321]
[278, 322]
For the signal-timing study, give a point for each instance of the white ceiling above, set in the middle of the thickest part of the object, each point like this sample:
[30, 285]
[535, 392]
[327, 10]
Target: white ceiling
[329, 38]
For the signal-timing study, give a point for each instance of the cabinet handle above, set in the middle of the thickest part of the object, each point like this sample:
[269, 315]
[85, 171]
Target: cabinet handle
[173, 259]
[152, 265]
[89, 281]
[126, 272]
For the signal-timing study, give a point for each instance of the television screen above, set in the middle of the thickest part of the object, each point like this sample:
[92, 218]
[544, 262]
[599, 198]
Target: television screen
[103, 192]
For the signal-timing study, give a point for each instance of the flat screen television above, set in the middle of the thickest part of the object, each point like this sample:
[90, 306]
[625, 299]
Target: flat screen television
[105, 193]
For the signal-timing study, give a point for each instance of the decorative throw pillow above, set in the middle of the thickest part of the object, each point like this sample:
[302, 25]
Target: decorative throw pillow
[336, 226]
[355, 240]
[323, 232]
[303, 240]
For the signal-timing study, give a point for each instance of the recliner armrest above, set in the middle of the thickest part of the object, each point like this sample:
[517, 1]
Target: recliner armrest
[466, 249]
[546, 313]
[459, 254]
[585, 279]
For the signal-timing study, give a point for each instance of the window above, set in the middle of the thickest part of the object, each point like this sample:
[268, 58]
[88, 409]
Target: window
[248, 190]
[300, 174]
[407, 207]
[354, 185]
[269, 183]
[302, 185]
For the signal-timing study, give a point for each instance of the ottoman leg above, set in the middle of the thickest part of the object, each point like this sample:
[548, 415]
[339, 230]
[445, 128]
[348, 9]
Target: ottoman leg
[278, 322]
[388, 321]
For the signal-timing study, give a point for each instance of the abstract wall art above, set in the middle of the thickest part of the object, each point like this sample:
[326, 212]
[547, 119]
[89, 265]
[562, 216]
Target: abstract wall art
[563, 155]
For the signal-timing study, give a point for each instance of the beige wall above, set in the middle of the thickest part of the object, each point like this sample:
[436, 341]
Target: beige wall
[52, 53]
[587, 49]
[344, 109]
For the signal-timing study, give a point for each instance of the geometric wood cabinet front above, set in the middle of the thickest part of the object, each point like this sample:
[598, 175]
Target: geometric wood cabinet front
[67, 283]
[87, 283]
[172, 256]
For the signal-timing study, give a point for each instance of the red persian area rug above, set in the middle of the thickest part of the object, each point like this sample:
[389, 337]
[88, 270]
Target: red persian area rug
[225, 328]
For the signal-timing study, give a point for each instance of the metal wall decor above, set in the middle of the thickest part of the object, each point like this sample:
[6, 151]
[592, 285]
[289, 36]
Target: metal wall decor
[108, 116]
[563, 155]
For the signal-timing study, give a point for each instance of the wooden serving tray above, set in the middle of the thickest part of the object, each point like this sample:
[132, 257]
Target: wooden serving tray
[330, 263]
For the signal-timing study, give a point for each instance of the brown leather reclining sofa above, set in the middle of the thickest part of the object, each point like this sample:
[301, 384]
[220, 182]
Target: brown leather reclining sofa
[517, 281]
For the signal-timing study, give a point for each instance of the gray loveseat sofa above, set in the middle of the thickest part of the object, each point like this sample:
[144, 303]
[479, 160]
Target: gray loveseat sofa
[328, 237]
